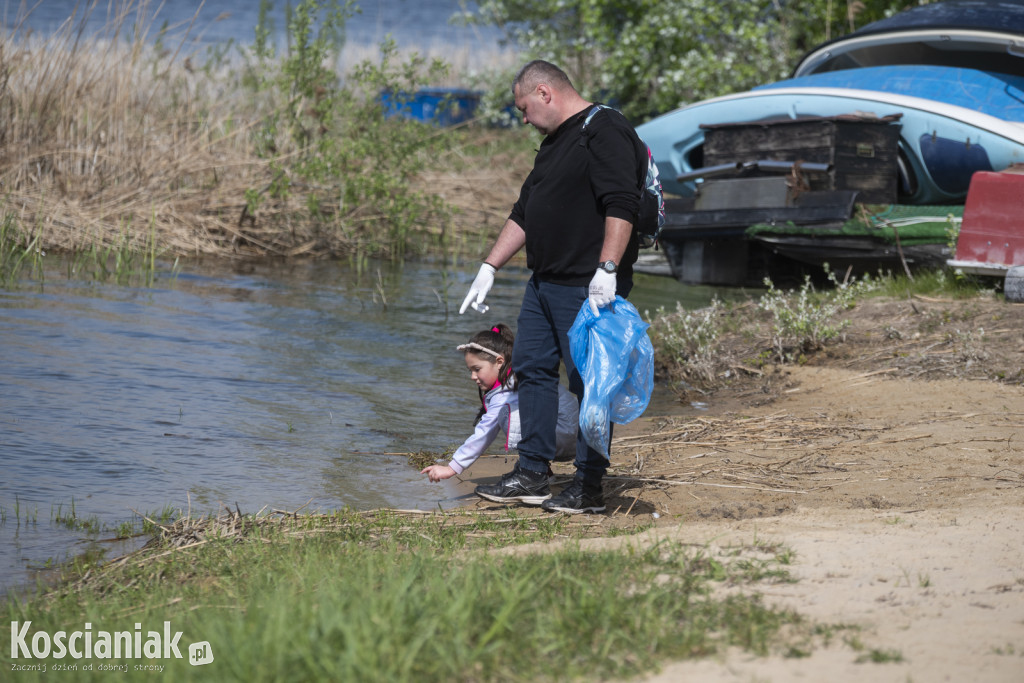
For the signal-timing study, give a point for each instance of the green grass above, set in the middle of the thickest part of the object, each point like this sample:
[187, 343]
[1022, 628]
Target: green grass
[131, 262]
[20, 253]
[876, 656]
[693, 348]
[389, 597]
[69, 519]
[65, 515]
[934, 283]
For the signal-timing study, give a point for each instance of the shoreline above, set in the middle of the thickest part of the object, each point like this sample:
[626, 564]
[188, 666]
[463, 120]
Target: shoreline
[883, 540]
[885, 469]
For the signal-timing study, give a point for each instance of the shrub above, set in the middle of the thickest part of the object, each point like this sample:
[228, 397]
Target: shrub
[688, 340]
[804, 320]
[329, 141]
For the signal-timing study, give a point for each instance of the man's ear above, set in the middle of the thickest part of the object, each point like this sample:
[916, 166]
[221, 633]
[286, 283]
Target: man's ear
[545, 93]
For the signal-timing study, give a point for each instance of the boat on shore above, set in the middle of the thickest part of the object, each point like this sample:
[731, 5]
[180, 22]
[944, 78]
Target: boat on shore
[991, 237]
[892, 120]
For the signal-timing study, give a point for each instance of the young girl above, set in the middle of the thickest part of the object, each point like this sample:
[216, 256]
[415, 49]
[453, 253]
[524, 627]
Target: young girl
[487, 357]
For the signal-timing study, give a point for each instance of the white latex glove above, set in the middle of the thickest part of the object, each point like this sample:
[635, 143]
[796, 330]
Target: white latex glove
[602, 290]
[481, 285]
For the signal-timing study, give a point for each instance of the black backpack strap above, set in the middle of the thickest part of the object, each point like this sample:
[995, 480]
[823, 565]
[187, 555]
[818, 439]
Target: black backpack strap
[593, 111]
[641, 150]
[584, 138]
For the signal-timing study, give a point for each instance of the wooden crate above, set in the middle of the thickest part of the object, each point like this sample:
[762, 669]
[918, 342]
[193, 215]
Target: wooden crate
[862, 151]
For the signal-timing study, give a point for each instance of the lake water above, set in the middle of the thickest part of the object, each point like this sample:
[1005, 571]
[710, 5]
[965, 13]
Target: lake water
[277, 386]
[412, 23]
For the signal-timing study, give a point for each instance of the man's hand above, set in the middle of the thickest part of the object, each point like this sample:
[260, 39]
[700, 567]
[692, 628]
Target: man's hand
[602, 290]
[481, 285]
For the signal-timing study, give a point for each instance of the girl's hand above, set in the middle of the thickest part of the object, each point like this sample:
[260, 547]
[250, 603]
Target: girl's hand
[438, 472]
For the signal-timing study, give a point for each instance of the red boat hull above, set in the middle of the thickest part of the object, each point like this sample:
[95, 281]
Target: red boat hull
[991, 237]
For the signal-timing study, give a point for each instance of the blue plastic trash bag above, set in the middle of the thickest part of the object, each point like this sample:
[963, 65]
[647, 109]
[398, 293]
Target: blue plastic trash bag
[615, 358]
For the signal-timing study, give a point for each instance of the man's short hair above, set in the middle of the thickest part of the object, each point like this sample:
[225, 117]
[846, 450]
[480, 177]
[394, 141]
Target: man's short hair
[538, 71]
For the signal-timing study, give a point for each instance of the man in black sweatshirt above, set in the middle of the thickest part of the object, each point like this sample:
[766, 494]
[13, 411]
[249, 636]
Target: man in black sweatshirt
[575, 217]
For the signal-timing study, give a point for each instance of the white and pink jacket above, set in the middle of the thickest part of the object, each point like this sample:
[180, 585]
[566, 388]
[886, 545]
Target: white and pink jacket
[501, 414]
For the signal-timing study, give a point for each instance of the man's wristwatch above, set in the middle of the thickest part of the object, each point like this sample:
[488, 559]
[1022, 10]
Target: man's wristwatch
[608, 267]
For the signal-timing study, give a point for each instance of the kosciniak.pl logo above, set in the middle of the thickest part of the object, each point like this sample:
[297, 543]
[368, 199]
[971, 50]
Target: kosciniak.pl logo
[87, 643]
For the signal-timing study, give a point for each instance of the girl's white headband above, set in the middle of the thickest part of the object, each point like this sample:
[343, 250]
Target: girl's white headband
[473, 346]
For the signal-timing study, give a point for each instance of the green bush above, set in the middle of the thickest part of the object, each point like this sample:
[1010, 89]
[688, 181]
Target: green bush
[329, 142]
[688, 340]
[651, 56]
[804, 320]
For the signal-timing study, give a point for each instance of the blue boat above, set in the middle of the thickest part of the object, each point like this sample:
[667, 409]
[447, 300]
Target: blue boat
[949, 76]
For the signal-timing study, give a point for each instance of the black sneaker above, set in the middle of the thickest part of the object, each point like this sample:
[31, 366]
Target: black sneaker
[517, 486]
[576, 498]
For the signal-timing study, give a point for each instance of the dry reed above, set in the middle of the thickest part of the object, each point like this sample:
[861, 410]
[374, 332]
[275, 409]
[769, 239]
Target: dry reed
[99, 139]
[769, 454]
